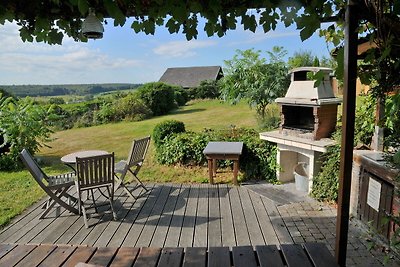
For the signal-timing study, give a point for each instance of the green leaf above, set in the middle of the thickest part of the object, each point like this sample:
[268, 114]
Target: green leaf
[308, 25]
[83, 6]
[136, 26]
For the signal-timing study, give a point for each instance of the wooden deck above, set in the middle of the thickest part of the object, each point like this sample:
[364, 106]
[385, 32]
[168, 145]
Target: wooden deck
[169, 215]
[315, 254]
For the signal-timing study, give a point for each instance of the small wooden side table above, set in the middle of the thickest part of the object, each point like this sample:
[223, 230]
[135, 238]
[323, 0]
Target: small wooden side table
[223, 150]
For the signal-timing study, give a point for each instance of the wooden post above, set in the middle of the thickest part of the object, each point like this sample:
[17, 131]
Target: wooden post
[346, 155]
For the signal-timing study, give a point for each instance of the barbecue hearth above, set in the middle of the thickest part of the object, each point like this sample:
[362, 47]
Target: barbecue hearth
[308, 117]
[307, 111]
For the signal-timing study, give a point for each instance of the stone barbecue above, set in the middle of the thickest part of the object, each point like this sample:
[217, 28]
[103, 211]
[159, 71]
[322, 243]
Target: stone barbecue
[307, 111]
[308, 117]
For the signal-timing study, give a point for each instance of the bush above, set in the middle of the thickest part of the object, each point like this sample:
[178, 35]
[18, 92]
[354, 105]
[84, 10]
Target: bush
[129, 107]
[206, 89]
[164, 129]
[258, 160]
[181, 96]
[23, 125]
[326, 183]
[158, 96]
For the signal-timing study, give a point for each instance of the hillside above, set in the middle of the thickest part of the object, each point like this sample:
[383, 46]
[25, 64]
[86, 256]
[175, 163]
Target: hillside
[65, 89]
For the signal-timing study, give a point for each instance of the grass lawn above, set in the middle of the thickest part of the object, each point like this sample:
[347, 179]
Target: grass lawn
[18, 189]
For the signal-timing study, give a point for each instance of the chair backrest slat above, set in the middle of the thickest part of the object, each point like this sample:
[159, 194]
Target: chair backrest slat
[95, 170]
[32, 166]
[138, 151]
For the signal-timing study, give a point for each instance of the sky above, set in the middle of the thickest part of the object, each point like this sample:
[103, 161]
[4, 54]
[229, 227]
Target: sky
[123, 56]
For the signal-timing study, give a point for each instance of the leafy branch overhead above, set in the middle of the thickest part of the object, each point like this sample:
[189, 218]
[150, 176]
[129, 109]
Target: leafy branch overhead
[49, 20]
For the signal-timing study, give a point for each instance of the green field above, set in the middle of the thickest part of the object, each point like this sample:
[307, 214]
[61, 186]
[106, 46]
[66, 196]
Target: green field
[18, 189]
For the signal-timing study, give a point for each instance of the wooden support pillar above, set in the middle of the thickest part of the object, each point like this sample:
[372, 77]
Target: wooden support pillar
[346, 155]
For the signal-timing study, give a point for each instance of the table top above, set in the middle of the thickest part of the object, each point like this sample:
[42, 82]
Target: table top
[223, 148]
[71, 158]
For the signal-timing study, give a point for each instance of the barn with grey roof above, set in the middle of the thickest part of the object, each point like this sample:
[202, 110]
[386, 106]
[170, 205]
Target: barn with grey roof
[190, 77]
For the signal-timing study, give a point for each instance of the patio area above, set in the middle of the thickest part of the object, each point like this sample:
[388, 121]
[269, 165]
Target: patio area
[198, 215]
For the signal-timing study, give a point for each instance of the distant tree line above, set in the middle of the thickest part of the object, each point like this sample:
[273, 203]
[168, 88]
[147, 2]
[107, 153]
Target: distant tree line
[66, 89]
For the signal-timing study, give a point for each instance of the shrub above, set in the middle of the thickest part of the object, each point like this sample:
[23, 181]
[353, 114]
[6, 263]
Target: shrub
[129, 107]
[23, 125]
[258, 160]
[164, 129]
[158, 96]
[326, 183]
[181, 96]
[206, 89]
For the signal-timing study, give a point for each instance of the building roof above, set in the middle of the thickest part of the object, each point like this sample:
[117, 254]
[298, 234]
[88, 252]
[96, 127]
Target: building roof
[189, 77]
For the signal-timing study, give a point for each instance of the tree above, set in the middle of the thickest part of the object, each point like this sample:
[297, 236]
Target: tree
[303, 59]
[255, 79]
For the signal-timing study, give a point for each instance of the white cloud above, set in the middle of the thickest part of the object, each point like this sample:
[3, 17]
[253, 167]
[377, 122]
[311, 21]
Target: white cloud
[182, 49]
[33, 62]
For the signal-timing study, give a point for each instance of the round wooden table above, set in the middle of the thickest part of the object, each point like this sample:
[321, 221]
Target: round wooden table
[71, 158]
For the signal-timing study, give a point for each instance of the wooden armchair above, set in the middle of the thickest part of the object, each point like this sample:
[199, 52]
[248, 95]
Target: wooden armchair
[95, 173]
[56, 187]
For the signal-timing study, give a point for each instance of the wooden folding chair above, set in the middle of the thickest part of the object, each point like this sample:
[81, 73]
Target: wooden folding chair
[56, 187]
[133, 165]
[95, 173]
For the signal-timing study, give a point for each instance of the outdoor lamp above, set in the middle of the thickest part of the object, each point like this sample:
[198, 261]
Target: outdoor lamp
[92, 27]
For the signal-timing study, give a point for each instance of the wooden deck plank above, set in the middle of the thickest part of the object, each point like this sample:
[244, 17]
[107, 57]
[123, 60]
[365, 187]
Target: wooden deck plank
[279, 225]
[295, 255]
[264, 220]
[164, 222]
[195, 257]
[219, 257]
[227, 229]
[239, 222]
[171, 257]
[36, 256]
[58, 256]
[189, 222]
[16, 255]
[5, 248]
[153, 219]
[320, 255]
[125, 226]
[214, 218]
[201, 232]
[139, 223]
[55, 233]
[113, 225]
[81, 254]
[244, 257]
[125, 257]
[20, 222]
[93, 219]
[31, 229]
[174, 230]
[269, 256]
[252, 223]
[101, 225]
[148, 257]
[103, 256]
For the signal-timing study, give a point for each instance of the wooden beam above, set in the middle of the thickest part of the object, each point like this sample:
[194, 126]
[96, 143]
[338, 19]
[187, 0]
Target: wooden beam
[346, 155]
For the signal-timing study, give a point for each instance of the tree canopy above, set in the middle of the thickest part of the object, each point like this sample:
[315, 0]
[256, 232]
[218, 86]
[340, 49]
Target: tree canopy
[49, 20]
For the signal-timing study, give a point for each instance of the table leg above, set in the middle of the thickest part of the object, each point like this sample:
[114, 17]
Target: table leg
[210, 170]
[235, 171]
[214, 167]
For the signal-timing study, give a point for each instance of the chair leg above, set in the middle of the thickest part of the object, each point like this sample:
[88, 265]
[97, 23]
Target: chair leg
[137, 178]
[94, 203]
[85, 216]
[111, 199]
